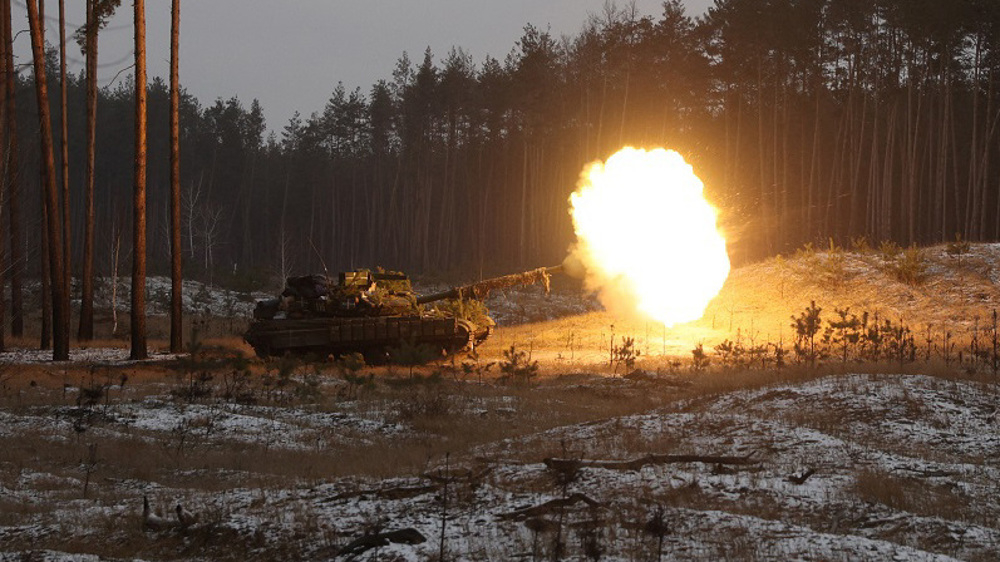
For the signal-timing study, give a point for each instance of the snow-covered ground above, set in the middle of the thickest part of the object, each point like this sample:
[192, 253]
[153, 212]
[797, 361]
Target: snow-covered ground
[198, 297]
[849, 467]
[84, 355]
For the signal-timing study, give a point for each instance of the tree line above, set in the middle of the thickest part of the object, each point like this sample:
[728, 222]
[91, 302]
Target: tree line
[808, 120]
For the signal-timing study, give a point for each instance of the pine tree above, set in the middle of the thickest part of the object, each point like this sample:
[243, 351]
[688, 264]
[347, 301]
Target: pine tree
[138, 313]
[60, 316]
[176, 287]
[13, 180]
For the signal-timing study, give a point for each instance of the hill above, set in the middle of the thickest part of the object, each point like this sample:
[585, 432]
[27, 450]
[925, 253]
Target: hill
[943, 289]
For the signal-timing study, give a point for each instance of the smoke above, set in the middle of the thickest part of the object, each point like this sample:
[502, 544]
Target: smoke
[573, 265]
[614, 293]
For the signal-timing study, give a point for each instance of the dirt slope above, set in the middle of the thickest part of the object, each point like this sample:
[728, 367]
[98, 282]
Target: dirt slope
[954, 292]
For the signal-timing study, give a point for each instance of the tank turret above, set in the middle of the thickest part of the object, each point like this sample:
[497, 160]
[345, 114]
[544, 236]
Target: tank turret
[372, 311]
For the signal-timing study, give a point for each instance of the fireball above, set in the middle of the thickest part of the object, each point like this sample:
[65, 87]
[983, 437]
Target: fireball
[647, 237]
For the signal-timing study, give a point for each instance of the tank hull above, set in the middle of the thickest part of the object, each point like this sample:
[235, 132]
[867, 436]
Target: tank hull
[372, 336]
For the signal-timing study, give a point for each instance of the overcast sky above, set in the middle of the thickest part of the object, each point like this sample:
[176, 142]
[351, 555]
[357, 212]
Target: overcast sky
[290, 55]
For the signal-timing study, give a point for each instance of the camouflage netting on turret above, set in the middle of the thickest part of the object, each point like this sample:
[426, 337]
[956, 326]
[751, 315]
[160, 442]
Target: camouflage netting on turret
[467, 309]
[355, 293]
[481, 290]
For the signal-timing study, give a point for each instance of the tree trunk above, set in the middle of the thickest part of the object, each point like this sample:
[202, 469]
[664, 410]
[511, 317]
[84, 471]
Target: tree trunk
[522, 238]
[45, 338]
[86, 331]
[138, 313]
[60, 317]
[176, 300]
[13, 185]
[66, 279]
[4, 116]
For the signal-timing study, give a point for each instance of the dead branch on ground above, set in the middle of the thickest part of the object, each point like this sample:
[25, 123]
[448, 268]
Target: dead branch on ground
[639, 463]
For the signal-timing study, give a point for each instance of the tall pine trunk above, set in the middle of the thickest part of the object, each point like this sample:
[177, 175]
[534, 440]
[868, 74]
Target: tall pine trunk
[176, 300]
[60, 317]
[4, 147]
[86, 331]
[64, 157]
[45, 337]
[138, 313]
[13, 180]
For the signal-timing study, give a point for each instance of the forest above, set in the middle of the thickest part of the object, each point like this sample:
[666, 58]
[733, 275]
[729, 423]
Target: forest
[808, 120]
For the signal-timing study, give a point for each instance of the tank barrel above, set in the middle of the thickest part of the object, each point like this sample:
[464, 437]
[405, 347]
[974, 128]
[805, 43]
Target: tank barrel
[482, 289]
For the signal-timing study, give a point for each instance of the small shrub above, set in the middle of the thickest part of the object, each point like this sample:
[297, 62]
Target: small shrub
[806, 326]
[736, 354]
[473, 366]
[701, 359]
[658, 527]
[860, 245]
[348, 367]
[730, 353]
[308, 389]
[591, 539]
[197, 386]
[411, 354]
[827, 267]
[958, 246]
[160, 299]
[900, 343]
[425, 401]
[517, 366]
[277, 377]
[806, 252]
[625, 355]
[204, 295]
[778, 351]
[844, 333]
[91, 395]
[910, 267]
[237, 388]
[889, 250]
[871, 344]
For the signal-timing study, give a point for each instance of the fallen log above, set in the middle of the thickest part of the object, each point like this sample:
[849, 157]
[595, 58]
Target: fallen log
[551, 506]
[403, 492]
[397, 493]
[637, 464]
[800, 478]
[458, 475]
[927, 473]
[368, 542]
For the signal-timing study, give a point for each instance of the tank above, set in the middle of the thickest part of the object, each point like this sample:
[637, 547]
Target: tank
[372, 312]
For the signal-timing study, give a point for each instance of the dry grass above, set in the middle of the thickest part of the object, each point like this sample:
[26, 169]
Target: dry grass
[210, 329]
[435, 410]
[916, 495]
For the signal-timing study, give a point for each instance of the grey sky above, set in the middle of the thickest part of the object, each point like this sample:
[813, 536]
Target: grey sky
[290, 55]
